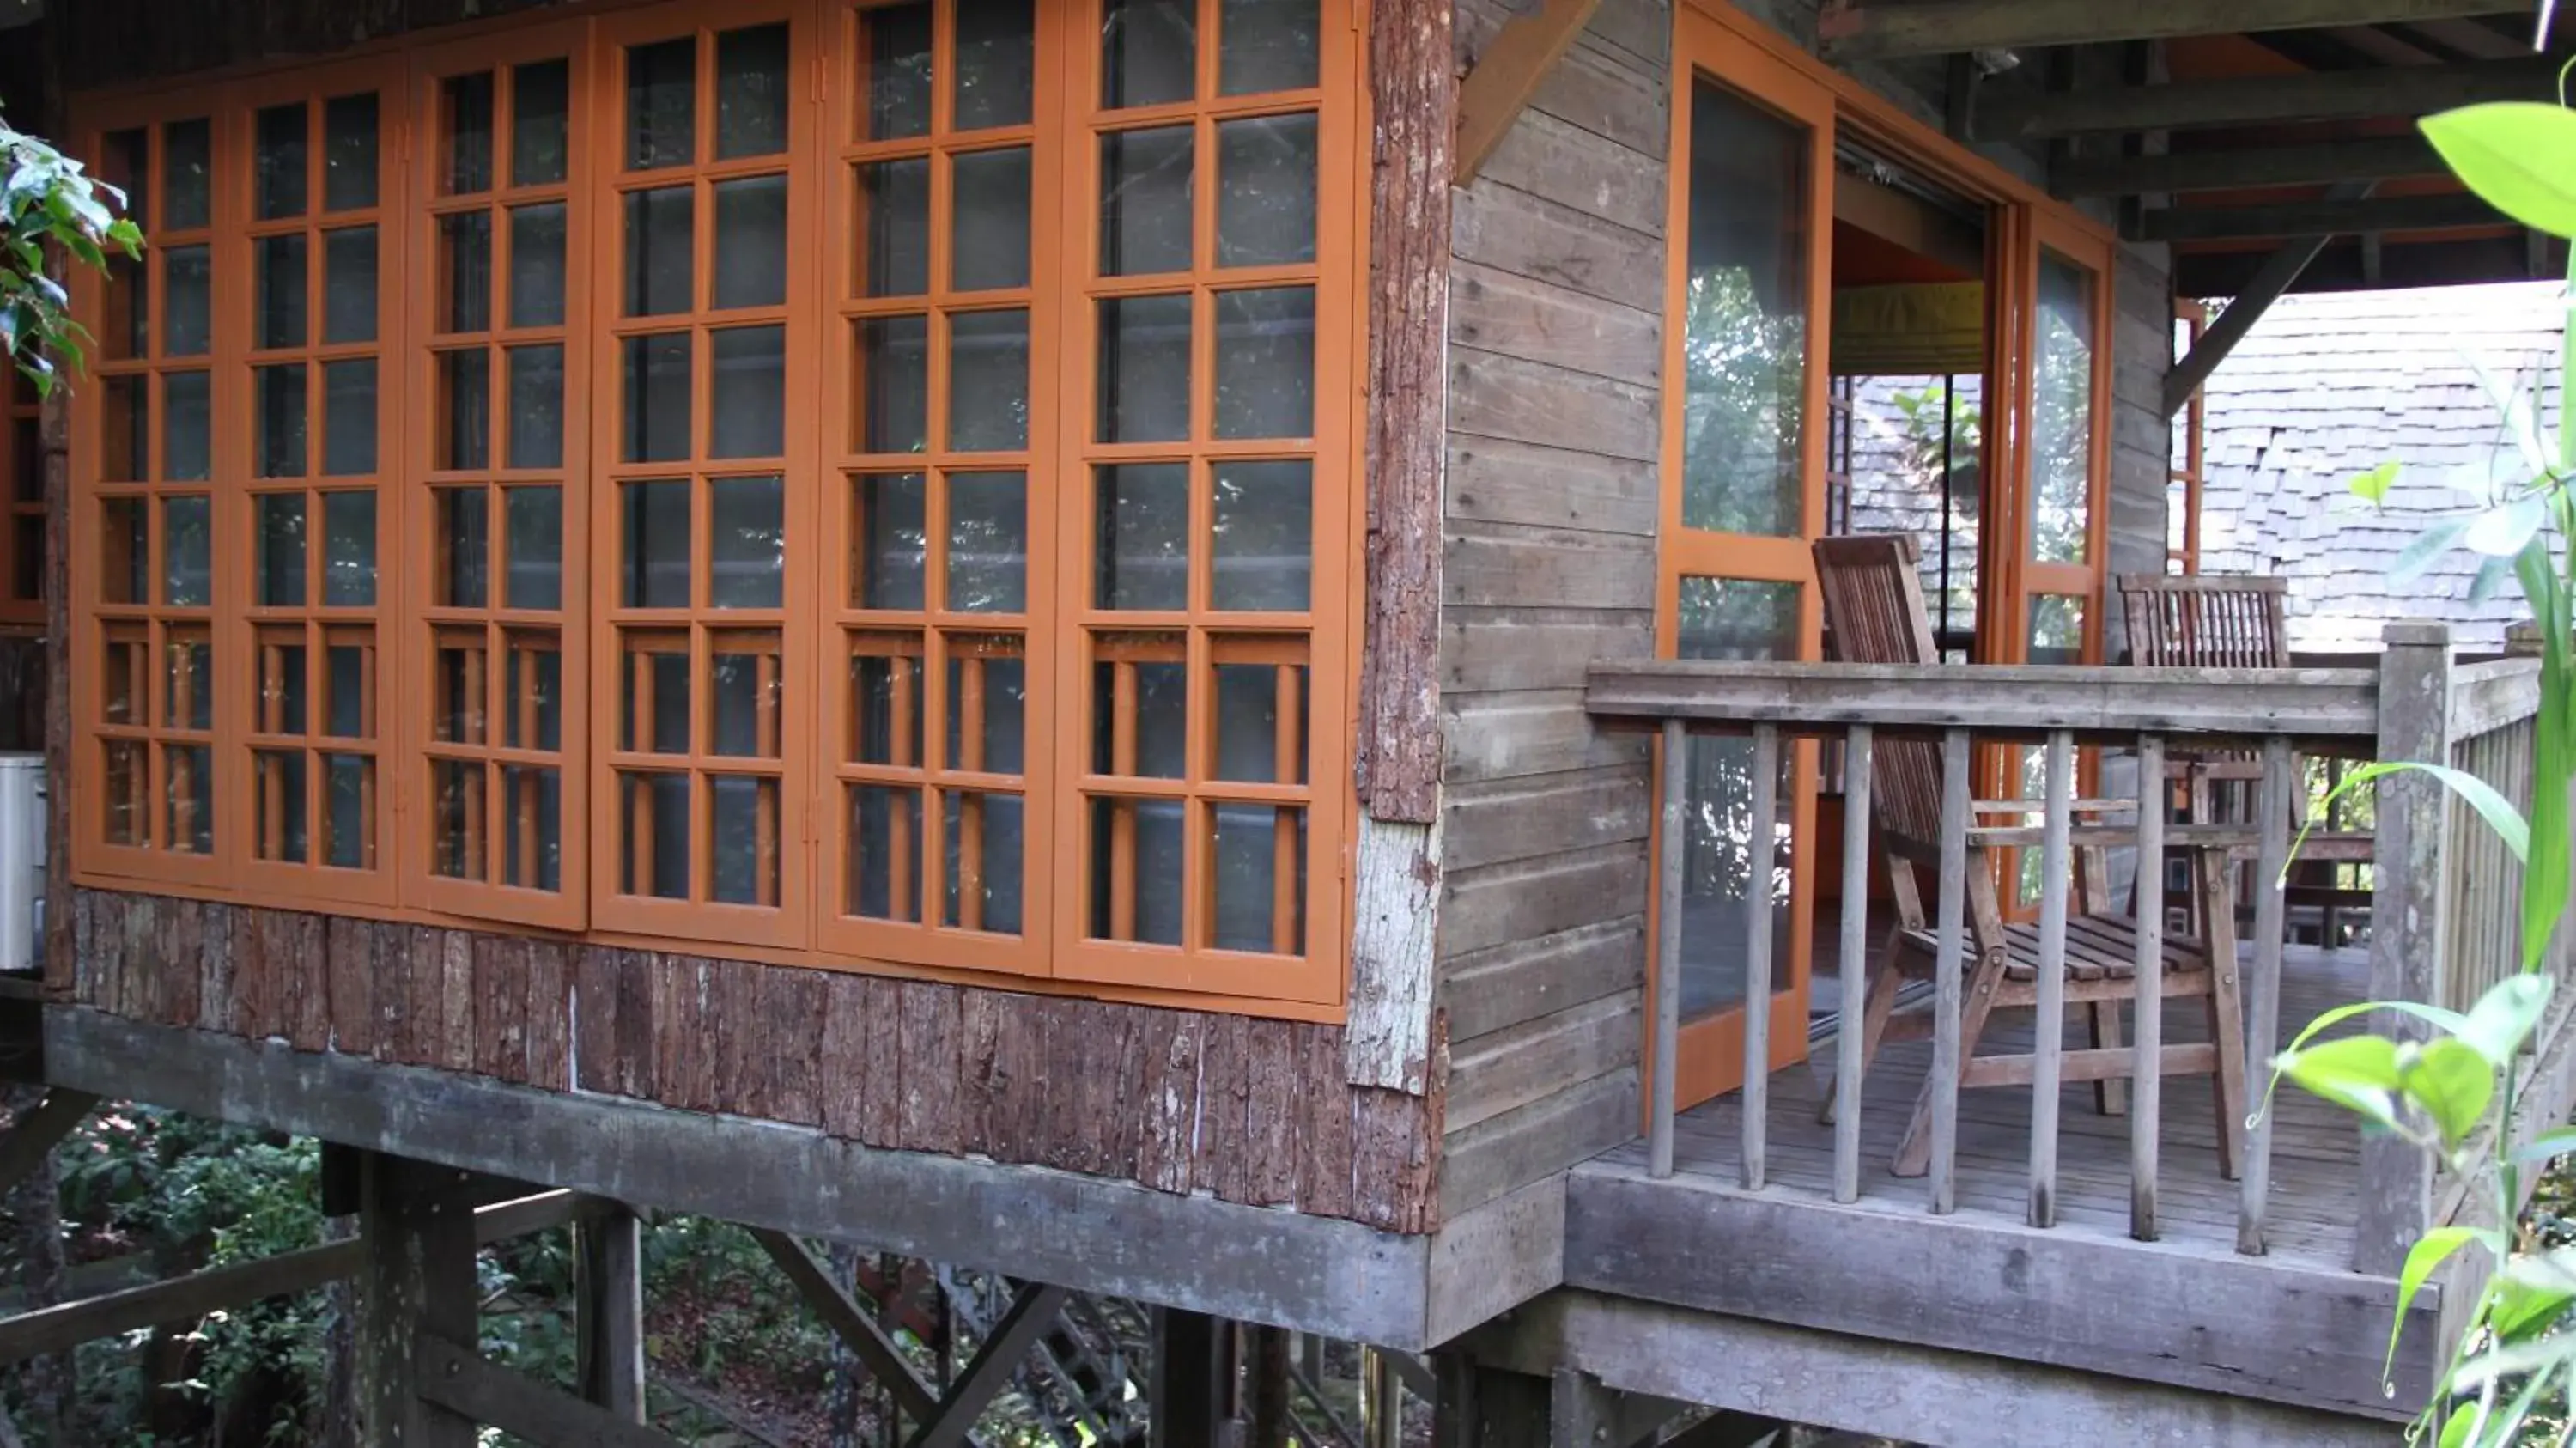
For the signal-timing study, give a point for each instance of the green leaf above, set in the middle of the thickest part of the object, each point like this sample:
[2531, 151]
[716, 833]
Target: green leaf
[2548, 1146]
[2504, 530]
[2479, 795]
[2360, 1073]
[2521, 1307]
[2426, 547]
[2372, 487]
[2430, 1251]
[2449, 1081]
[2505, 1017]
[2513, 154]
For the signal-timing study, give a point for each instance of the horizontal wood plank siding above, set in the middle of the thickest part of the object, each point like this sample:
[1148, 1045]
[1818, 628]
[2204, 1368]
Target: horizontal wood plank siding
[1555, 378]
[1253, 1111]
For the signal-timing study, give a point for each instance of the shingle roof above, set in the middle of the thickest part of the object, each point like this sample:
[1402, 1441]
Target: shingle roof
[2330, 385]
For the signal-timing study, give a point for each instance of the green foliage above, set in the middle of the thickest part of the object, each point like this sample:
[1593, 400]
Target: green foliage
[47, 199]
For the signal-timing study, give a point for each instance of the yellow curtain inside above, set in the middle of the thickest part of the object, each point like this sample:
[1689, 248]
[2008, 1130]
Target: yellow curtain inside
[1914, 330]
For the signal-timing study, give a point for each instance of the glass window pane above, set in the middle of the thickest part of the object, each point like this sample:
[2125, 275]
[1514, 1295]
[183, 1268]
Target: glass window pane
[988, 381]
[187, 422]
[187, 305]
[190, 769]
[349, 152]
[1141, 542]
[278, 805]
[285, 684]
[532, 807]
[125, 556]
[1265, 191]
[996, 63]
[654, 692]
[1144, 369]
[656, 819]
[660, 250]
[281, 290]
[2061, 428]
[187, 551]
[534, 548]
[751, 242]
[125, 162]
[885, 853]
[185, 149]
[984, 835]
[889, 541]
[278, 555]
[1726, 618]
[991, 246]
[988, 695]
[891, 413]
[894, 217]
[657, 397]
[349, 417]
[894, 71]
[656, 545]
[751, 91]
[540, 95]
[1146, 220]
[188, 689]
[1262, 538]
[1265, 363]
[532, 690]
[661, 103]
[1140, 706]
[1266, 45]
[1734, 618]
[465, 104]
[456, 791]
[2056, 629]
[1257, 867]
[1251, 745]
[126, 429]
[885, 699]
[1149, 52]
[746, 542]
[462, 575]
[743, 830]
[349, 285]
[349, 549]
[345, 707]
[127, 771]
[536, 406]
[1136, 870]
[281, 421]
[465, 260]
[537, 265]
[279, 165]
[1745, 344]
[126, 321]
[465, 396]
[988, 542]
[742, 695]
[747, 413]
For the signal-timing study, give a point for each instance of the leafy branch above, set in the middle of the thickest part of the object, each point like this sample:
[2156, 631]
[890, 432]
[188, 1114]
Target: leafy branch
[46, 200]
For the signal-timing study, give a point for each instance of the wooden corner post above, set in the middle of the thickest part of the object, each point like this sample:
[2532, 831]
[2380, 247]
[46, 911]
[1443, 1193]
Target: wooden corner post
[416, 1278]
[2406, 909]
[608, 1300]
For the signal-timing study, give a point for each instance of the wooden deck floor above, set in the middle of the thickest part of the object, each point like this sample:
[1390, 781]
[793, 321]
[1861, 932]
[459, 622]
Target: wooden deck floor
[2315, 1146]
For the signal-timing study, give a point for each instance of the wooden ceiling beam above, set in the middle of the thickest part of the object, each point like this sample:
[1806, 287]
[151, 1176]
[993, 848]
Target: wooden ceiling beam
[1505, 77]
[1887, 29]
[2413, 90]
[2315, 218]
[2377, 159]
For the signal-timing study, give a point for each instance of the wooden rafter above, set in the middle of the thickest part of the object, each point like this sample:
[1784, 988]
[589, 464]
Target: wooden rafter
[2316, 218]
[2257, 100]
[1508, 73]
[2219, 335]
[2377, 158]
[1882, 30]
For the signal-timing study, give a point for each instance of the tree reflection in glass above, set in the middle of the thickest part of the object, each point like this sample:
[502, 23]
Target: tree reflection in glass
[1744, 346]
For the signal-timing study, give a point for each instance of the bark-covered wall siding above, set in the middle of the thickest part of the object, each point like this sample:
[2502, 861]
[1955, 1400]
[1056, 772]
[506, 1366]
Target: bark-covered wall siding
[1251, 1111]
[1549, 563]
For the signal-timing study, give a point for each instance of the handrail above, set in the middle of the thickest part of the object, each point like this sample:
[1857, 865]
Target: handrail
[2000, 701]
[2485, 697]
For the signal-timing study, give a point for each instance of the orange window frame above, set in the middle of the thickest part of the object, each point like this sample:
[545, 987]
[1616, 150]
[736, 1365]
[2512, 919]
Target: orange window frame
[1310, 655]
[488, 745]
[22, 475]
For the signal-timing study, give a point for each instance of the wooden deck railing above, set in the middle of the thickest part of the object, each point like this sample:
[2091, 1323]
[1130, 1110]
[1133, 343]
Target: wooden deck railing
[2414, 705]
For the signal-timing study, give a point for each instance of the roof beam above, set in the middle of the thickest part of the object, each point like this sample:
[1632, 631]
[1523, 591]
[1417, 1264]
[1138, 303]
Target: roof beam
[2329, 217]
[1885, 29]
[2279, 272]
[2412, 90]
[2377, 159]
[1494, 93]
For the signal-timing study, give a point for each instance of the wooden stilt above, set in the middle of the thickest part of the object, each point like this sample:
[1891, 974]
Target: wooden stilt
[608, 1303]
[1186, 1397]
[1381, 1400]
[1266, 1385]
[1487, 1407]
[416, 1277]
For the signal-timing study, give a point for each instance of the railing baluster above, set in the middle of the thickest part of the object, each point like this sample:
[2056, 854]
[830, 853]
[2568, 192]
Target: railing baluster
[1855, 964]
[1668, 955]
[2048, 1046]
[1757, 953]
[1949, 968]
[2146, 1072]
[2263, 984]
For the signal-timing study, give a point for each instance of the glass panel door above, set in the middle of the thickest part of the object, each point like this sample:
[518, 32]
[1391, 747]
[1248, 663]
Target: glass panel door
[1743, 493]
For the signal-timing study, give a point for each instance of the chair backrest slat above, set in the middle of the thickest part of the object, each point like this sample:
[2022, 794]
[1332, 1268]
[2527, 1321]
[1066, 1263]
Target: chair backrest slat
[2208, 621]
[1874, 614]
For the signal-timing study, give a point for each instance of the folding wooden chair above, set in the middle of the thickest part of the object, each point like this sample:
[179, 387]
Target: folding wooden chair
[1874, 615]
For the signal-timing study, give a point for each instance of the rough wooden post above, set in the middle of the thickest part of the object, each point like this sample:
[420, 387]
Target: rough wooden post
[1266, 1385]
[2406, 926]
[1185, 1396]
[608, 1302]
[1381, 1400]
[1487, 1407]
[416, 1274]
